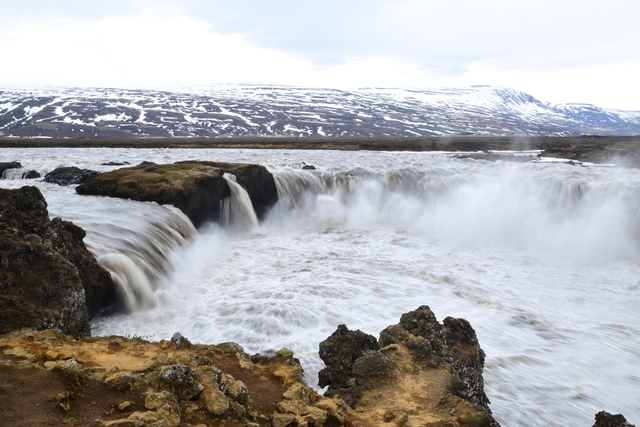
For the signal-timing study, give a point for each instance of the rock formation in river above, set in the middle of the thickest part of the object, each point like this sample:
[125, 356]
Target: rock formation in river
[196, 188]
[48, 278]
[605, 419]
[419, 372]
[69, 175]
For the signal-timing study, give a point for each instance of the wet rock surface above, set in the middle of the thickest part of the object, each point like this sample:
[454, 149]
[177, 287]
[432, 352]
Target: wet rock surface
[605, 419]
[196, 188]
[339, 352]
[48, 277]
[255, 179]
[69, 175]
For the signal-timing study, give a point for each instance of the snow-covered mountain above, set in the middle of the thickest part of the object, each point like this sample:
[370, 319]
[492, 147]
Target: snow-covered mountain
[237, 110]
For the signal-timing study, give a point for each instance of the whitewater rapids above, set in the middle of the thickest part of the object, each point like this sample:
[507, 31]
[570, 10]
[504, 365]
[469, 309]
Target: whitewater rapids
[541, 258]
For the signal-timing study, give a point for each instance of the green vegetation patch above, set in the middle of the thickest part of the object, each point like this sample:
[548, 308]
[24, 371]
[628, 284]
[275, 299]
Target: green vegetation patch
[155, 182]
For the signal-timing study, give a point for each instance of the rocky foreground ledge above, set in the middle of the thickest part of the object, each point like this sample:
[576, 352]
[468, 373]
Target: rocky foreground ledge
[50, 378]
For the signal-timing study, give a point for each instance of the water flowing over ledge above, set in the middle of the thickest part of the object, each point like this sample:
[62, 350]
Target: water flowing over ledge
[542, 259]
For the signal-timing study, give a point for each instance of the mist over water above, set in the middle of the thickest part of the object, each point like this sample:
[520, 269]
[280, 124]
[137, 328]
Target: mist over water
[542, 259]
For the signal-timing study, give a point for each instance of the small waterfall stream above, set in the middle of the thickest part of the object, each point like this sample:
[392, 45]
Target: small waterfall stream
[17, 174]
[237, 210]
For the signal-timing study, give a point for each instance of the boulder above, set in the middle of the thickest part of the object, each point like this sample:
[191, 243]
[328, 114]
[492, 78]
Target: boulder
[69, 175]
[31, 174]
[48, 277]
[605, 419]
[466, 357]
[339, 352]
[196, 188]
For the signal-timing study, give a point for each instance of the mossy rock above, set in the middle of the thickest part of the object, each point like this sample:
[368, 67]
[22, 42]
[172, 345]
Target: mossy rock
[196, 188]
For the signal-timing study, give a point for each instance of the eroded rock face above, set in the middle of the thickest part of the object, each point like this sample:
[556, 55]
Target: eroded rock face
[339, 352]
[48, 278]
[116, 381]
[419, 362]
[196, 188]
[39, 288]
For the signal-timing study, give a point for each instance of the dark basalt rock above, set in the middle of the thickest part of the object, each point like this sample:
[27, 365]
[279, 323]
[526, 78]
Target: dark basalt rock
[354, 363]
[48, 278]
[256, 180]
[466, 357]
[40, 288]
[115, 163]
[70, 175]
[32, 174]
[307, 167]
[27, 174]
[196, 188]
[605, 419]
[339, 352]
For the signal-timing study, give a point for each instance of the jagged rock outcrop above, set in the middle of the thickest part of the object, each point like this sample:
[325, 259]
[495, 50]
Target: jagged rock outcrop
[48, 278]
[605, 419]
[69, 175]
[196, 188]
[419, 372]
[339, 352]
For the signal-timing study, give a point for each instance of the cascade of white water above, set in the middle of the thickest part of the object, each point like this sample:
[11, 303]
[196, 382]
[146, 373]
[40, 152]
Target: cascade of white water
[14, 174]
[541, 258]
[139, 260]
[237, 210]
[570, 215]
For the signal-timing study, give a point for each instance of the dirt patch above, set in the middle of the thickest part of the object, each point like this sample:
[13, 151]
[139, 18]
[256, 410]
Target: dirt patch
[48, 379]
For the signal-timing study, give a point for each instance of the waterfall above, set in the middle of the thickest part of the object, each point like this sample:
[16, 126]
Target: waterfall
[134, 241]
[20, 174]
[237, 211]
[573, 216]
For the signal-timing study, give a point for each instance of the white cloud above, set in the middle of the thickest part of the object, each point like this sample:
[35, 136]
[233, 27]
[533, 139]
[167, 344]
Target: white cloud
[569, 51]
[140, 51]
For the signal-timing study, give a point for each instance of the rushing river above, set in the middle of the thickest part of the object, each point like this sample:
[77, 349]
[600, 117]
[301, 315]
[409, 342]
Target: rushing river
[541, 258]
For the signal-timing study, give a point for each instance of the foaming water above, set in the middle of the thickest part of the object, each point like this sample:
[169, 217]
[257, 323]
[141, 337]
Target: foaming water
[542, 259]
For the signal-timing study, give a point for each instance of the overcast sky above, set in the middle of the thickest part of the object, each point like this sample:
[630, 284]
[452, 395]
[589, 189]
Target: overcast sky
[584, 51]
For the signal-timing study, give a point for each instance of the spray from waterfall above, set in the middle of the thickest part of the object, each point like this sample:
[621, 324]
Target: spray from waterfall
[568, 215]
